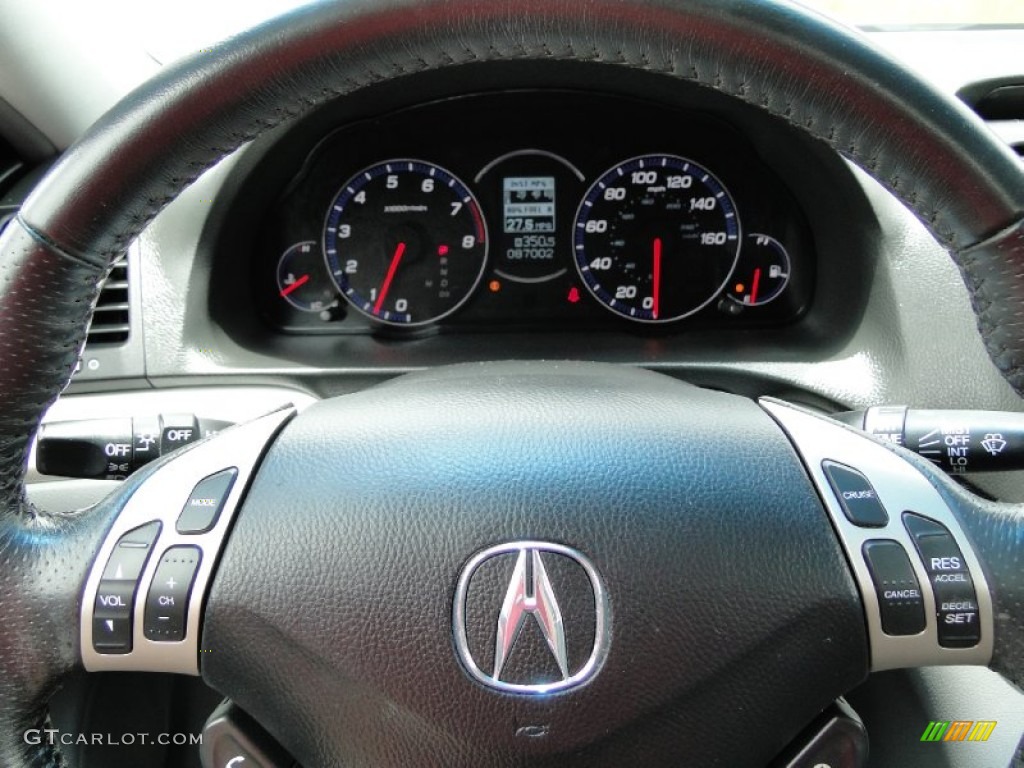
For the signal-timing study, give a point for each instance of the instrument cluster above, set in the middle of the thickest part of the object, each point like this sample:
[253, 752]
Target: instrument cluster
[532, 209]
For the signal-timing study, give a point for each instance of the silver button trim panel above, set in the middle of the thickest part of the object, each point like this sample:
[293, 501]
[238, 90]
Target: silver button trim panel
[162, 497]
[901, 488]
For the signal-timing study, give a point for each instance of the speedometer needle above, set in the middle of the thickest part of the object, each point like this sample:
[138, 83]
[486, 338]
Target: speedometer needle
[657, 278]
[389, 277]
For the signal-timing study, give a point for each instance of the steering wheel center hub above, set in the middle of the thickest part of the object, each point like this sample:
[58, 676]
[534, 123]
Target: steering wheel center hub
[582, 545]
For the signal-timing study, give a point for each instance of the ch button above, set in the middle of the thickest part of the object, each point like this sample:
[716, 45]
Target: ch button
[167, 602]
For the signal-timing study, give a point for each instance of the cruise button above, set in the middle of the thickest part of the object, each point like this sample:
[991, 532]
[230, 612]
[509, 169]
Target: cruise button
[858, 499]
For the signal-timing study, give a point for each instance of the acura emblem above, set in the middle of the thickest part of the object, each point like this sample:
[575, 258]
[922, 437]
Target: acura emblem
[545, 601]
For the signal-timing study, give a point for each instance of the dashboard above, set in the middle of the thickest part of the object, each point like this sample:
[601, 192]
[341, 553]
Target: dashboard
[538, 210]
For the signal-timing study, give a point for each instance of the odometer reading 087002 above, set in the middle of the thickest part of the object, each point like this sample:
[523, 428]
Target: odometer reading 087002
[656, 238]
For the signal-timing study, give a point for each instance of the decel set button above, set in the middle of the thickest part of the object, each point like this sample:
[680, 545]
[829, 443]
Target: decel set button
[956, 608]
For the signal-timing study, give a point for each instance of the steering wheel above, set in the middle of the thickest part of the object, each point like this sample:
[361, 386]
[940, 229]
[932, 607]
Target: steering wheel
[505, 563]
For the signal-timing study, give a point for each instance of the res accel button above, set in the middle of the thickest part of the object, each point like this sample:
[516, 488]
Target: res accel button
[956, 611]
[205, 503]
[857, 497]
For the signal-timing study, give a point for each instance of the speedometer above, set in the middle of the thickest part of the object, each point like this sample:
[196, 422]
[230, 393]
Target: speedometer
[656, 238]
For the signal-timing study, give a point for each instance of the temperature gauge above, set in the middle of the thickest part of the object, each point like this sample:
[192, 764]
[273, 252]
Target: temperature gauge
[762, 272]
[302, 280]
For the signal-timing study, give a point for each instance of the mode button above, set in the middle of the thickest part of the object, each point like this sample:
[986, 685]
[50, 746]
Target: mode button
[205, 503]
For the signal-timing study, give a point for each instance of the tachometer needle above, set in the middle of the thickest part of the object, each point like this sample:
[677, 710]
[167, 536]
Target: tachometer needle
[295, 286]
[389, 277]
[657, 278]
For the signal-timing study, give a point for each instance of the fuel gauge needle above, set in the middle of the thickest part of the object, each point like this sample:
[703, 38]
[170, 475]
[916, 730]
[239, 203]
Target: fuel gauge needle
[295, 286]
[657, 278]
[755, 286]
[389, 277]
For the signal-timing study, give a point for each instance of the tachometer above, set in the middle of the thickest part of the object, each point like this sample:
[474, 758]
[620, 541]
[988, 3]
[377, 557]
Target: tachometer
[656, 238]
[405, 242]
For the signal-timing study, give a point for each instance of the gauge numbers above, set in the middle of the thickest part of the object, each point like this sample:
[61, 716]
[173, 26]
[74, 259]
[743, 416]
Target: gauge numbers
[656, 238]
[762, 273]
[405, 242]
[301, 280]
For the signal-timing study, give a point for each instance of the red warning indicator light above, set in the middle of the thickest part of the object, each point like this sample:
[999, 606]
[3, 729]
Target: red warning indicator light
[574, 295]
[494, 285]
[442, 250]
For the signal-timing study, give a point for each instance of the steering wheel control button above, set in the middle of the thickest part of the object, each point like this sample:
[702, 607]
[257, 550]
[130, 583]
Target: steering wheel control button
[856, 496]
[131, 553]
[115, 598]
[957, 612]
[206, 502]
[167, 602]
[112, 617]
[900, 601]
[111, 635]
[530, 617]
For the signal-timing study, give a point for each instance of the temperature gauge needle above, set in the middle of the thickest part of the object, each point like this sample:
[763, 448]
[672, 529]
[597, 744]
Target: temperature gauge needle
[389, 277]
[657, 278]
[295, 286]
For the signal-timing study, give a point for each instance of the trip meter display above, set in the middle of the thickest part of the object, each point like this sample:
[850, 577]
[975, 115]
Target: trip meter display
[529, 204]
[535, 193]
[656, 238]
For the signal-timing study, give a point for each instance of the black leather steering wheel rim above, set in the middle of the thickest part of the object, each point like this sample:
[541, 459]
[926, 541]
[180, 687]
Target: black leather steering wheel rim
[926, 148]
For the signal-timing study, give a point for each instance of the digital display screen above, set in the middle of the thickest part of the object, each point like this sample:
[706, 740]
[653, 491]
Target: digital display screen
[529, 203]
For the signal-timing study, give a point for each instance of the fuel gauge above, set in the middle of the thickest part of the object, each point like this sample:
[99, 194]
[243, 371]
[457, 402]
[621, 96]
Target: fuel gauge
[302, 279]
[762, 272]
